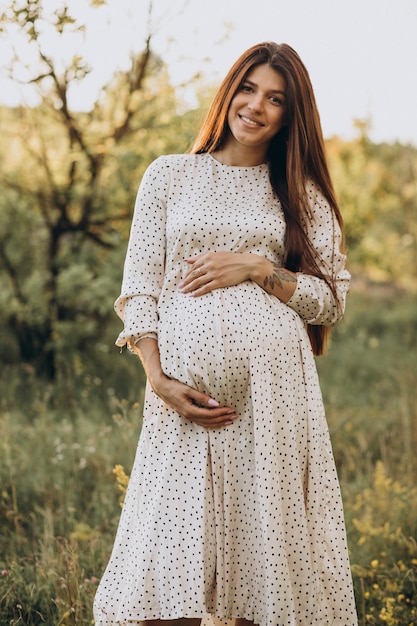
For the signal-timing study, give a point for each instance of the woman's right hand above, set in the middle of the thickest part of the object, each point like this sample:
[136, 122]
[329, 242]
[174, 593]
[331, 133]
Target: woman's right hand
[191, 404]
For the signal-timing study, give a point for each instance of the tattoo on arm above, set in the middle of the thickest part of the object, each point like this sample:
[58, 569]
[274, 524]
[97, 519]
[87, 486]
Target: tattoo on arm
[278, 277]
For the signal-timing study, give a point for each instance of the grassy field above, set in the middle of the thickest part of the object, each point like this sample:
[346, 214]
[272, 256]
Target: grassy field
[60, 493]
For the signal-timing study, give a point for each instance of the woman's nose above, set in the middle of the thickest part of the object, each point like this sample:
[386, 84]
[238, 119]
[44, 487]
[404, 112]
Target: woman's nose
[255, 103]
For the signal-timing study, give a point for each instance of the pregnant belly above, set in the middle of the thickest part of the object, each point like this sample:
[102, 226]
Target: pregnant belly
[213, 342]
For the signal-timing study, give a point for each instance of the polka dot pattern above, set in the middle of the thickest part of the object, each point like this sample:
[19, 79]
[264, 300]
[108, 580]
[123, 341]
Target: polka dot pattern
[247, 520]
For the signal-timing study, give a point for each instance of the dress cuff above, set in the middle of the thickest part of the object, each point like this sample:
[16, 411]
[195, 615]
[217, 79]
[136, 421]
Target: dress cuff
[314, 301]
[139, 316]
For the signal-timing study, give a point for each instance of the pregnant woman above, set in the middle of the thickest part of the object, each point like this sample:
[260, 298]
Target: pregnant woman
[233, 276]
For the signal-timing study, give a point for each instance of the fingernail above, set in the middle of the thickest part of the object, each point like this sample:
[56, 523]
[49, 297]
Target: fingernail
[212, 402]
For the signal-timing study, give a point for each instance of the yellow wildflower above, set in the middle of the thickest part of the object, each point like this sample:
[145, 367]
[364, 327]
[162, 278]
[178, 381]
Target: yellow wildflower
[122, 480]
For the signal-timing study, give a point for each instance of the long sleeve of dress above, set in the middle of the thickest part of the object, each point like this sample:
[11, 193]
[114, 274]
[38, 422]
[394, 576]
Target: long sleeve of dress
[313, 299]
[145, 258]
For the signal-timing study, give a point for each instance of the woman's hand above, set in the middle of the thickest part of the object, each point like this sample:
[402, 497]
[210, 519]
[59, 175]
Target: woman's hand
[188, 402]
[193, 405]
[214, 270]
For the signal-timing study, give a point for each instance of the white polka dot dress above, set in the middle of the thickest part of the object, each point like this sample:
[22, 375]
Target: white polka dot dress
[245, 520]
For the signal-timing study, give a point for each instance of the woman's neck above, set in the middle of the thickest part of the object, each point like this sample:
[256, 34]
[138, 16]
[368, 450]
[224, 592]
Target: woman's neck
[239, 157]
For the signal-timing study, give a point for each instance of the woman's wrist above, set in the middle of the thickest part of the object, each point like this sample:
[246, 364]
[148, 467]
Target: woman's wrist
[276, 280]
[148, 351]
[258, 267]
[158, 381]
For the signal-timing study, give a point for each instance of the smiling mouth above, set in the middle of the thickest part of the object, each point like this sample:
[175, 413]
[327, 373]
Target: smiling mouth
[250, 122]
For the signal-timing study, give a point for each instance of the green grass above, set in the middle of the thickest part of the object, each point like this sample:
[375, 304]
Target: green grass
[59, 497]
[369, 382]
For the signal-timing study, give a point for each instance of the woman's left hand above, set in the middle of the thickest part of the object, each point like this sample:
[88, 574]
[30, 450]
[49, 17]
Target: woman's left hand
[214, 270]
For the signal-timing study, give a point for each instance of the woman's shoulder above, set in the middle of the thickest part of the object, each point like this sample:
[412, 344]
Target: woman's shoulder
[175, 161]
[172, 169]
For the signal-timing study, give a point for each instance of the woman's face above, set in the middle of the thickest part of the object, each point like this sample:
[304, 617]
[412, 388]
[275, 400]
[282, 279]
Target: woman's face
[258, 109]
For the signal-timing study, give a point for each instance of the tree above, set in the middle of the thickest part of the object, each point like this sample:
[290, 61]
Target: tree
[68, 179]
[377, 191]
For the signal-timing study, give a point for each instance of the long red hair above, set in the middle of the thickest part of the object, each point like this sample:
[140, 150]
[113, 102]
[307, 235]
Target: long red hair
[295, 155]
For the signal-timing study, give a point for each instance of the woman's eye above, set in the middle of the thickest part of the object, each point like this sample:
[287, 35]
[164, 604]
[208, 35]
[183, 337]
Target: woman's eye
[246, 88]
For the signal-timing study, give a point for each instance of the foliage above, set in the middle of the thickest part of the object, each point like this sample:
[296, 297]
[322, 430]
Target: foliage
[122, 480]
[51, 589]
[368, 381]
[369, 373]
[384, 533]
[377, 189]
[58, 504]
[68, 181]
